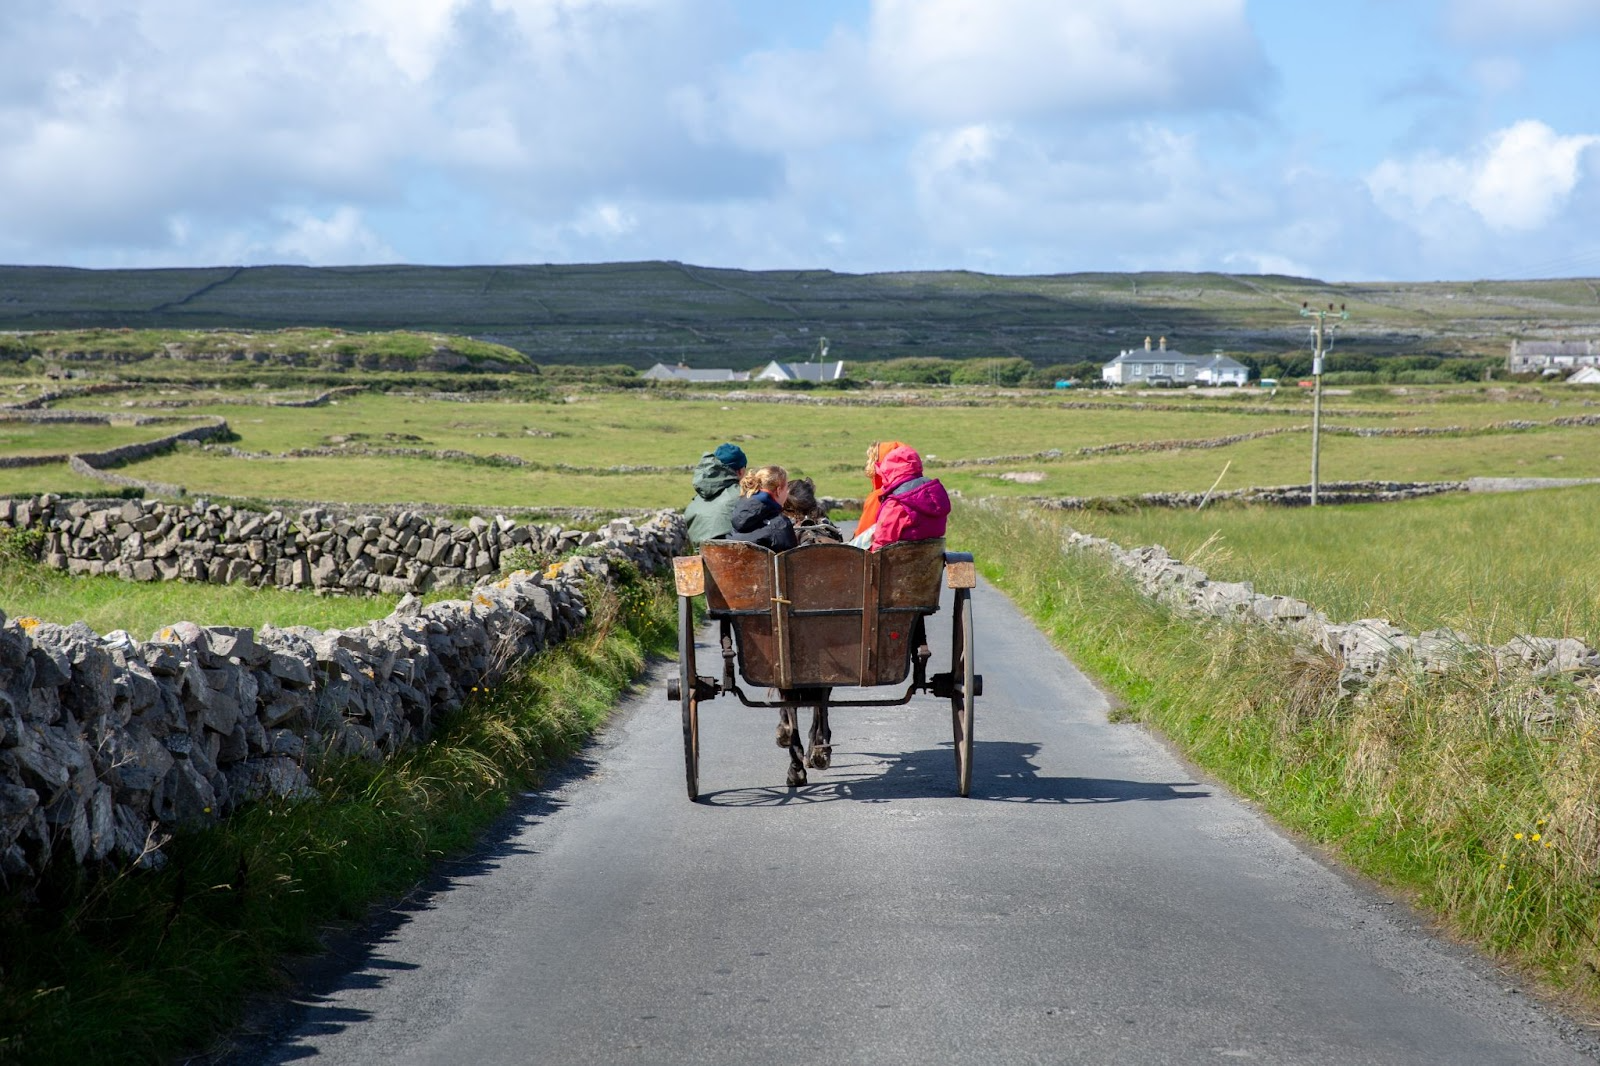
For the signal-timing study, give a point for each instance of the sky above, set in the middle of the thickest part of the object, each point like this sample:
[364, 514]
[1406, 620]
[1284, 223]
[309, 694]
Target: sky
[1346, 140]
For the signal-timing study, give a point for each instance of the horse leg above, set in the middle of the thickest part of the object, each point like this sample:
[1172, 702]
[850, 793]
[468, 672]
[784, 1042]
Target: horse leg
[786, 726]
[797, 766]
[821, 737]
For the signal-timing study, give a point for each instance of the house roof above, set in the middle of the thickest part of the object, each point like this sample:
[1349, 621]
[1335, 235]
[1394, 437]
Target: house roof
[1157, 355]
[663, 372]
[1526, 348]
[776, 371]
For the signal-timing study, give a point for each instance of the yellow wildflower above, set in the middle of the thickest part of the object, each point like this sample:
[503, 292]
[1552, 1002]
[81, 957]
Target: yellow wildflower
[1518, 836]
[1536, 836]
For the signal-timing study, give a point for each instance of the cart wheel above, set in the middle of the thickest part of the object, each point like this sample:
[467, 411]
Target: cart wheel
[686, 695]
[961, 699]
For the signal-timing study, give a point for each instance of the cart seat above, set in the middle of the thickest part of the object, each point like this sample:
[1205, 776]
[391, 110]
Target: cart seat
[823, 614]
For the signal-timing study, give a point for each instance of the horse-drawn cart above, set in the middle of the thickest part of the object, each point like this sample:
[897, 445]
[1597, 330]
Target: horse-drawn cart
[820, 617]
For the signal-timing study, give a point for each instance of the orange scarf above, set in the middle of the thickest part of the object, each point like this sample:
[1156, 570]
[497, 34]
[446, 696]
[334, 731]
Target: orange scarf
[869, 507]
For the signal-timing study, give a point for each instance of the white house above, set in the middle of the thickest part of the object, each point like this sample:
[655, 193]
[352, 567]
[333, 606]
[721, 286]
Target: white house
[1551, 357]
[776, 371]
[1164, 366]
[1589, 375]
[663, 372]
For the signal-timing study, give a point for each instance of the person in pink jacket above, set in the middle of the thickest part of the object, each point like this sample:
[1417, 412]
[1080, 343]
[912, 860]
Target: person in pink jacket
[914, 507]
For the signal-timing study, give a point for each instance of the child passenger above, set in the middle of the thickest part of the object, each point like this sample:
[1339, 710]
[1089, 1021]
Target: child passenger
[811, 523]
[758, 517]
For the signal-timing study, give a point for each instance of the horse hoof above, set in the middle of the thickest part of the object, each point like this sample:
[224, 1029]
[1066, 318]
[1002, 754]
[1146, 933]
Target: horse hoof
[820, 758]
[797, 777]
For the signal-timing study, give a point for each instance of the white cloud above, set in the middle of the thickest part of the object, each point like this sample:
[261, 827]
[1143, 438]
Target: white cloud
[1131, 196]
[606, 221]
[1495, 21]
[1518, 179]
[340, 237]
[788, 100]
[964, 60]
[122, 116]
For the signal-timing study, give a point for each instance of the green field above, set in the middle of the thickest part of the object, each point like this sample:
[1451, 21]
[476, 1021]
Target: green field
[1466, 562]
[564, 446]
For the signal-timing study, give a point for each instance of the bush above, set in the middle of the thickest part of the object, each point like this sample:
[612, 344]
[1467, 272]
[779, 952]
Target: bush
[915, 370]
[1001, 371]
[21, 545]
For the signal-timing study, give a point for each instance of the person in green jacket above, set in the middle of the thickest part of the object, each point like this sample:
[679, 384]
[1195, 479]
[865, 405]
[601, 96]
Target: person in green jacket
[716, 490]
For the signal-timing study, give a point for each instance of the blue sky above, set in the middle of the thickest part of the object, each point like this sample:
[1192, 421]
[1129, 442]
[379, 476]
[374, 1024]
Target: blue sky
[1347, 140]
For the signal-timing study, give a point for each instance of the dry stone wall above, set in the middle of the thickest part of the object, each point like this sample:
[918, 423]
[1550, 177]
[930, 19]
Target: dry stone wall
[109, 744]
[1329, 492]
[147, 540]
[1365, 648]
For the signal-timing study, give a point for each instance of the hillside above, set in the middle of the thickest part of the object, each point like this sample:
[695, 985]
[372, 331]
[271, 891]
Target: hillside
[639, 313]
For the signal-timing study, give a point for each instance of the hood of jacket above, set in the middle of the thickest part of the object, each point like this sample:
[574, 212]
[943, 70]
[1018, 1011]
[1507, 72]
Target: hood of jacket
[712, 477]
[885, 449]
[754, 511]
[898, 467]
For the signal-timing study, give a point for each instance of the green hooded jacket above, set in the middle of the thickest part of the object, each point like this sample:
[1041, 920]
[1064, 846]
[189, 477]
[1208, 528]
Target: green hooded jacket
[716, 490]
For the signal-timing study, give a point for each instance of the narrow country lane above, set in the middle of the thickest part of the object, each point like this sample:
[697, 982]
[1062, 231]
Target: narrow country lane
[1092, 902]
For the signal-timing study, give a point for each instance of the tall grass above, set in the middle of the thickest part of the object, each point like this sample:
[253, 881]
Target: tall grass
[139, 966]
[1476, 794]
[1493, 565]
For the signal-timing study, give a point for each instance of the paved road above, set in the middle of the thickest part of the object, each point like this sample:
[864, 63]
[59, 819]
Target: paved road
[1093, 902]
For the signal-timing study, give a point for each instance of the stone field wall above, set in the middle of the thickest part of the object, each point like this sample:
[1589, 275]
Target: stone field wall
[1365, 648]
[108, 744]
[146, 540]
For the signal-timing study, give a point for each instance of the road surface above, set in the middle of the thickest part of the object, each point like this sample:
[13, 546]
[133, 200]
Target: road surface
[1092, 902]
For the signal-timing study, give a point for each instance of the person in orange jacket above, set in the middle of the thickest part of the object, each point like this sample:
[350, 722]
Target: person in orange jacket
[876, 451]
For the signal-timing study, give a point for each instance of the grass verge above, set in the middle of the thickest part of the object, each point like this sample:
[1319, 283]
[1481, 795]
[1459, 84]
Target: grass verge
[1476, 794]
[137, 967]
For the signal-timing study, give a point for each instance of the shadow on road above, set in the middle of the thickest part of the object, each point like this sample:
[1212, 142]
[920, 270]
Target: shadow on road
[1003, 771]
[352, 957]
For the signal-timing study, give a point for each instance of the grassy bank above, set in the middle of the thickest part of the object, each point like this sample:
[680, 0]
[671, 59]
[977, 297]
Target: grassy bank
[1476, 795]
[139, 967]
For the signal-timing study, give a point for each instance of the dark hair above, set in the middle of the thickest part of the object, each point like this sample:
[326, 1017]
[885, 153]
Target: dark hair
[803, 499]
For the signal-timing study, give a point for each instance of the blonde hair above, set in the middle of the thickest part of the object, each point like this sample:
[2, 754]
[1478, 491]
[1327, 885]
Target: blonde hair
[764, 479]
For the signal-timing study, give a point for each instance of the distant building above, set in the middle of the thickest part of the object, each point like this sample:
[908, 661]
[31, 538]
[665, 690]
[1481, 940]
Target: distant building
[819, 372]
[1551, 357]
[663, 372]
[1588, 375]
[1164, 366]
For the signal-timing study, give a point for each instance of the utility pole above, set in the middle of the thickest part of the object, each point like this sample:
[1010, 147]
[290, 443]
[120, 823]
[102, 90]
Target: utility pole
[1316, 399]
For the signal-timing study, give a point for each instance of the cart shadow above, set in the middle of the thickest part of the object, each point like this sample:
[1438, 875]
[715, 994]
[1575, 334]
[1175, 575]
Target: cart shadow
[1002, 771]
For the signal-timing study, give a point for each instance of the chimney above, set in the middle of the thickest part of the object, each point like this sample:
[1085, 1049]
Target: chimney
[1163, 344]
[1147, 344]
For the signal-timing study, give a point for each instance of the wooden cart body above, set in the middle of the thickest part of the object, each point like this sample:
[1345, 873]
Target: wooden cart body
[820, 617]
[823, 614]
